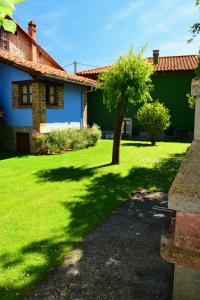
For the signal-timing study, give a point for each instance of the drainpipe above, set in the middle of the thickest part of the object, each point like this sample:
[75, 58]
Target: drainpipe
[84, 105]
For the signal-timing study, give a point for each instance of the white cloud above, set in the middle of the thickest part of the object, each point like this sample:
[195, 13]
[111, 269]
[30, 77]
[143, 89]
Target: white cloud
[164, 17]
[180, 47]
[123, 14]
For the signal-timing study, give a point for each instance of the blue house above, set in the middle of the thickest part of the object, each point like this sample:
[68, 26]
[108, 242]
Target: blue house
[36, 93]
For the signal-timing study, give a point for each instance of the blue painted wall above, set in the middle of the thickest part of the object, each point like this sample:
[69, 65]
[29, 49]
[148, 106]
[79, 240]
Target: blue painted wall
[73, 108]
[72, 114]
[14, 116]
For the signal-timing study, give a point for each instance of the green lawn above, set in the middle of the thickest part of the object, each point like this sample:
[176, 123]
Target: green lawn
[49, 203]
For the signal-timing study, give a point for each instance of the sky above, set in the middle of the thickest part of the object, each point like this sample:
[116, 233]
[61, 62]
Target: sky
[95, 33]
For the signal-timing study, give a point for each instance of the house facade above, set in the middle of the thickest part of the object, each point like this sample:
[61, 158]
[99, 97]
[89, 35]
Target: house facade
[36, 93]
[171, 80]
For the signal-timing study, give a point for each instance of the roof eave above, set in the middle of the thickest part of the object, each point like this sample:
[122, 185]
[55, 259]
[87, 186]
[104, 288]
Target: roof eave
[43, 76]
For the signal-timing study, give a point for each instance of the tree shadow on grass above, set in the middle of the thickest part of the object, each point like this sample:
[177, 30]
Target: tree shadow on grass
[108, 191]
[137, 145]
[11, 154]
[67, 173]
[103, 194]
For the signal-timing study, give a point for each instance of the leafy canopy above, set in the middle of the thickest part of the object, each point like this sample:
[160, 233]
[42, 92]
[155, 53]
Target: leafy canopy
[129, 77]
[7, 8]
[195, 29]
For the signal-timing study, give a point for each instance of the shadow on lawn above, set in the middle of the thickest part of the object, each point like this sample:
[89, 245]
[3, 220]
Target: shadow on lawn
[11, 154]
[103, 194]
[67, 173]
[137, 144]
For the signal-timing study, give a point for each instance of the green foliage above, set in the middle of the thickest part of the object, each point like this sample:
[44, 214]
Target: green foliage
[191, 101]
[7, 8]
[195, 29]
[155, 118]
[129, 77]
[59, 141]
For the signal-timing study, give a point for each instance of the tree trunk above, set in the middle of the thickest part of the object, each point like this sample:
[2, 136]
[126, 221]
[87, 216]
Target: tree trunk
[152, 136]
[120, 111]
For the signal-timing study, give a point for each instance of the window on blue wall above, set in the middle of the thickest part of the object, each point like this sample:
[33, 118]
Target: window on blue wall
[26, 94]
[51, 94]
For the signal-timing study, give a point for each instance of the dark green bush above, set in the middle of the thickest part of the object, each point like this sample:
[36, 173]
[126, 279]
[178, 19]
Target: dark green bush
[59, 141]
[154, 118]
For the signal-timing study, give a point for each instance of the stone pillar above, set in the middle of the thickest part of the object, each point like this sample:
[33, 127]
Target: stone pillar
[181, 244]
[196, 94]
[38, 104]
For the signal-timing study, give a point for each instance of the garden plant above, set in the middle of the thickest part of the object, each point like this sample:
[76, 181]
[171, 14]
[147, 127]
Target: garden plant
[154, 118]
[128, 80]
[59, 141]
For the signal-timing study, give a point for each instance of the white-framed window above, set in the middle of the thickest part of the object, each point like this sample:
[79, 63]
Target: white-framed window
[26, 93]
[51, 94]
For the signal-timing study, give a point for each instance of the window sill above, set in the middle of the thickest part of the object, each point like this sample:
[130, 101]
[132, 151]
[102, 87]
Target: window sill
[23, 106]
[53, 107]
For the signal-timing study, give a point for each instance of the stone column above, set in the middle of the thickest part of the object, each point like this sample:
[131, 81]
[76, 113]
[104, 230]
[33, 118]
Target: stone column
[196, 94]
[181, 246]
[38, 104]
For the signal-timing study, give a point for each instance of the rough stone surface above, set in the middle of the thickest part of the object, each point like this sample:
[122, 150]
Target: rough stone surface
[196, 94]
[184, 193]
[186, 284]
[196, 87]
[118, 260]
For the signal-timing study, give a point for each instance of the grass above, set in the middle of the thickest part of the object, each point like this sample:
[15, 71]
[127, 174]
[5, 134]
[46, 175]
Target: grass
[49, 203]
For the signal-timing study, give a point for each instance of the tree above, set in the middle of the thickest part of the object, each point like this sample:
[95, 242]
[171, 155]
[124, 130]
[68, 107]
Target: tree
[128, 80]
[195, 29]
[7, 8]
[155, 118]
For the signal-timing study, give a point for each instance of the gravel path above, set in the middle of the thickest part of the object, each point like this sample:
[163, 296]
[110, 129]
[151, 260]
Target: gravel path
[118, 260]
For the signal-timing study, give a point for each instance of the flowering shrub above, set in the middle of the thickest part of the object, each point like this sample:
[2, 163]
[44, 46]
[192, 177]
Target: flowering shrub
[59, 141]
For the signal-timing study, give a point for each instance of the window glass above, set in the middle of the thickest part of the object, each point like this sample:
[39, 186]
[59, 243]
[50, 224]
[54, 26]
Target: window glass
[25, 99]
[52, 99]
[51, 95]
[24, 89]
[27, 94]
[52, 90]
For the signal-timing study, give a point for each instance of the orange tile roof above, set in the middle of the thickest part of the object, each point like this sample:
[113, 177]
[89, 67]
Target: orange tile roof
[43, 71]
[165, 64]
[176, 63]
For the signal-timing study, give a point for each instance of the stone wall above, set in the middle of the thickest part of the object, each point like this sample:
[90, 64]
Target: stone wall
[21, 44]
[8, 139]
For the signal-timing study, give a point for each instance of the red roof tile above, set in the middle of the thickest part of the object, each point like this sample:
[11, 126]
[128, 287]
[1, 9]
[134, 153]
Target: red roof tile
[176, 63]
[165, 64]
[44, 71]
